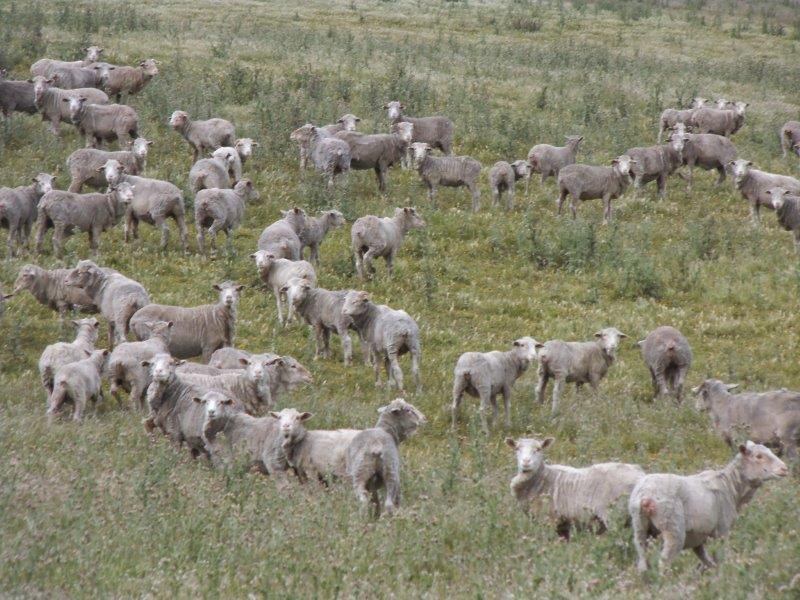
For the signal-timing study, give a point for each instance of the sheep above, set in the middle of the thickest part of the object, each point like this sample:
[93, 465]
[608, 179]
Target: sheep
[576, 362]
[59, 354]
[153, 202]
[250, 386]
[448, 171]
[130, 80]
[124, 364]
[117, 296]
[203, 136]
[18, 209]
[209, 173]
[329, 155]
[86, 165]
[50, 289]
[17, 96]
[230, 157]
[198, 330]
[54, 102]
[753, 185]
[789, 134]
[723, 104]
[671, 117]
[92, 213]
[770, 418]
[707, 151]
[322, 310]
[378, 151]
[668, 356]
[654, 163]
[44, 66]
[77, 382]
[787, 209]
[484, 375]
[244, 148]
[587, 182]
[522, 170]
[372, 237]
[576, 496]
[276, 272]
[73, 78]
[502, 179]
[98, 123]
[720, 122]
[312, 230]
[434, 131]
[549, 160]
[347, 122]
[689, 510]
[221, 210]
[281, 240]
[385, 335]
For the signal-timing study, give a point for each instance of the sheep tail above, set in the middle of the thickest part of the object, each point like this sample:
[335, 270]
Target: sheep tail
[648, 507]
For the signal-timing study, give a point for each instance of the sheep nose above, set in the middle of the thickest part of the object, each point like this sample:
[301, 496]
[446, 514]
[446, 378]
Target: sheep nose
[783, 471]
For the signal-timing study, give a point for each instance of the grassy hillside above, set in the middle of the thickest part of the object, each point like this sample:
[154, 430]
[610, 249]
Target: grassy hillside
[101, 509]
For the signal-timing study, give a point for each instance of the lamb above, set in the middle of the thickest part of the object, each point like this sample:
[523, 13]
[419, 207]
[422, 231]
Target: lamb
[707, 151]
[576, 496]
[17, 96]
[98, 123]
[484, 375]
[434, 131]
[209, 173]
[330, 155]
[18, 209]
[587, 182]
[86, 165]
[377, 151]
[753, 185]
[522, 170]
[53, 102]
[285, 373]
[654, 163]
[130, 80]
[502, 179]
[448, 171]
[221, 210]
[673, 116]
[59, 354]
[787, 209]
[690, 510]
[45, 66]
[668, 357]
[347, 122]
[250, 386]
[77, 382]
[789, 134]
[281, 240]
[276, 272]
[385, 334]
[117, 297]
[244, 148]
[322, 310]
[549, 160]
[153, 202]
[197, 330]
[92, 213]
[51, 290]
[125, 369]
[372, 237]
[577, 362]
[770, 418]
[203, 136]
[312, 230]
[720, 122]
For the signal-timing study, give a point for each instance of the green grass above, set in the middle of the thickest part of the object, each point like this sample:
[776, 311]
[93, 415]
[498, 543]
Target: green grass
[103, 510]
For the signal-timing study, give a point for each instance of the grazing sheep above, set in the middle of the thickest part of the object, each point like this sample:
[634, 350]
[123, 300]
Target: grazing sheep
[448, 171]
[117, 297]
[372, 237]
[549, 160]
[125, 368]
[719, 122]
[753, 185]
[770, 418]
[790, 136]
[59, 354]
[576, 496]
[689, 510]
[484, 375]
[51, 290]
[673, 116]
[203, 136]
[250, 386]
[129, 80]
[654, 163]
[196, 331]
[281, 240]
[330, 155]
[668, 356]
[707, 151]
[787, 209]
[502, 179]
[437, 132]
[385, 334]
[16, 96]
[221, 210]
[576, 362]
[209, 173]
[77, 382]
[45, 66]
[276, 272]
[378, 151]
[87, 165]
[322, 309]
[93, 214]
[312, 230]
[244, 148]
[54, 102]
[98, 123]
[587, 182]
[18, 209]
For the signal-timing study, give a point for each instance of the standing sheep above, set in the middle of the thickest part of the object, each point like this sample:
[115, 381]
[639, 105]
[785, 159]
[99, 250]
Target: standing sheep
[719, 122]
[221, 210]
[787, 209]
[484, 375]
[203, 136]
[790, 137]
[281, 239]
[434, 131]
[753, 185]
[230, 157]
[209, 173]
[654, 163]
[59, 354]
[99, 123]
[707, 151]
[378, 151]
[73, 78]
[448, 171]
[16, 96]
[129, 80]
[250, 385]
[87, 165]
[312, 230]
[276, 272]
[330, 155]
[372, 237]
[347, 122]
[77, 382]
[576, 362]
[244, 148]
[50, 289]
[674, 116]
[54, 102]
[18, 209]
[549, 160]
[668, 357]
[502, 180]
[45, 66]
[587, 182]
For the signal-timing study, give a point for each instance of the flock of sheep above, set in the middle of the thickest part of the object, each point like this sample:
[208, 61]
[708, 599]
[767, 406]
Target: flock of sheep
[222, 407]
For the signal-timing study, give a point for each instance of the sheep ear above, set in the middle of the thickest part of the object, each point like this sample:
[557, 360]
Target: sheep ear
[87, 353]
[516, 343]
[598, 334]
[385, 107]
[170, 324]
[240, 287]
[305, 416]
[74, 322]
[227, 401]
[244, 361]
[731, 386]
[274, 415]
[197, 400]
[696, 390]
[145, 363]
[640, 342]
[253, 256]
[744, 450]
[538, 345]
[623, 335]
[178, 363]
[216, 287]
[511, 443]
[548, 442]
[284, 289]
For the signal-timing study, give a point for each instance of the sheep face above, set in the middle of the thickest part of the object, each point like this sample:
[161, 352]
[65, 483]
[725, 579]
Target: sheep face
[522, 169]
[699, 102]
[777, 197]
[160, 328]
[75, 108]
[760, 464]
[296, 290]
[149, 67]
[290, 372]
[410, 217]
[623, 165]
[264, 261]
[26, 278]
[722, 103]
[678, 141]
[44, 183]
[740, 108]
[530, 453]
[349, 121]
[228, 293]
[244, 187]
[83, 275]
[740, 168]
[215, 402]
[404, 415]
[40, 86]
[574, 140]
[404, 129]
[162, 367]
[355, 303]
[419, 151]
[178, 119]
[140, 147]
[125, 192]
[303, 134]
[244, 146]
[290, 422]
[394, 109]
[526, 348]
[704, 391]
[112, 170]
[609, 339]
[93, 53]
[91, 325]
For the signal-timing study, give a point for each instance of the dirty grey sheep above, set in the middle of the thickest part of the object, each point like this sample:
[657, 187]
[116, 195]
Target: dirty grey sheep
[79, 383]
[100, 123]
[437, 132]
[54, 103]
[203, 136]
[674, 116]
[59, 354]
[447, 171]
[50, 289]
[250, 385]
[17, 96]
[74, 78]
[86, 165]
[45, 66]
[789, 134]
[549, 160]
[377, 151]
[209, 173]
[719, 122]
[221, 210]
[312, 230]
[230, 156]
[587, 182]
[486, 375]
[128, 80]
[707, 151]
[276, 272]
[372, 237]
[244, 148]
[502, 180]
[654, 163]
[754, 185]
[668, 357]
[281, 240]
[18, 209]
[347, 122]
[329, 155]
[787, 209]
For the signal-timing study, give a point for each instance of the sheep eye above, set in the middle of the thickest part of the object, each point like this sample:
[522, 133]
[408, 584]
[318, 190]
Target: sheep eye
[759, 456]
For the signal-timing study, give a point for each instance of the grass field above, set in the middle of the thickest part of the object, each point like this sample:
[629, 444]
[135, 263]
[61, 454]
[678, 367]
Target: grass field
[102, 510]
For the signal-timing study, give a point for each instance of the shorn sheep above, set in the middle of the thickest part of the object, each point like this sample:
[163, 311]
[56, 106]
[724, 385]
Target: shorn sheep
[59, 354]
[448, 171]
[18, 209]
[79, 383]
[203, 136]
[372, 237]
[668, 357]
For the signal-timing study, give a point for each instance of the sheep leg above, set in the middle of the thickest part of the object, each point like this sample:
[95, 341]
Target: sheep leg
[367, 259]
[180, 221]
[755, 213]
[319, 341]
[677, 385]
[326, 342]
[721, 178]
[640, 526]
[55, 125]
[94, 238]
[495, 197]
[390, 264]
[637, 186]
[41, 229]
[606, 209]
[558, 387]
[661, 384]
[376, 365]
[303, 158]
[702, 555]
[380, 173]
[661, 182]
[314, 255]
[510, 199]
[201, 239]
[161, 223]
[392, 501]
[690, 178]
[347, 346]
[506, 391]
[58, 239]
[279, 306]
[359, 257]
[80, 407]
[396, 371]
[655, 383]
[541, 385]
[459, 387]
[10, 243]
[431, 193]
[543, 178]
[673, 543]
[573, 206]
[212, 231]
[476, 197]
[55, 402]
